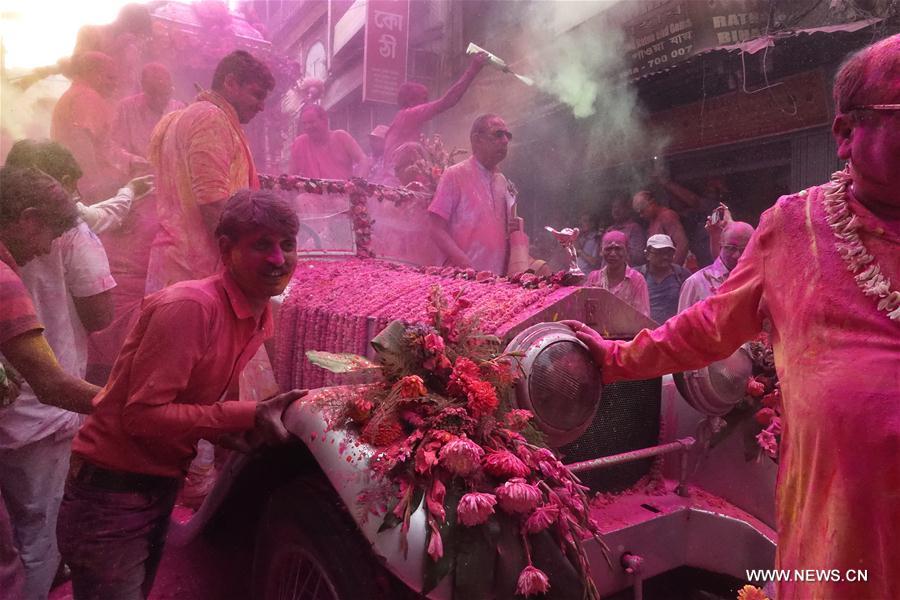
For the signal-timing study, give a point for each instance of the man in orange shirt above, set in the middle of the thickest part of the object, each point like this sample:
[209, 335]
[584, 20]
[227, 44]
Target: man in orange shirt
[175, 382]
[201, 158]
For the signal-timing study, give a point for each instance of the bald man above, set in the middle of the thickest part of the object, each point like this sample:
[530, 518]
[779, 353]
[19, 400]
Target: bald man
[137, 115]
[706, 281]
[622, 281]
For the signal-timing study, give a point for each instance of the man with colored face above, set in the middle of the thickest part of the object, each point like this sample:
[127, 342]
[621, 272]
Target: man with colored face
[822, 268]
[706, 281]
[175, 382]
[415, 109]
[201, 158]
[473, 208]
[625, 283]
[323, 153]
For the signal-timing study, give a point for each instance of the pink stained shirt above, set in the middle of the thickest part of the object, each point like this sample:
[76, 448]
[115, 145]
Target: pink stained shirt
[165, 393]
[18, 315]
[475, 203]
[332, 160]
[132, 127]
[632, 289]
[837, 358]
[81, 122]
[201, 157]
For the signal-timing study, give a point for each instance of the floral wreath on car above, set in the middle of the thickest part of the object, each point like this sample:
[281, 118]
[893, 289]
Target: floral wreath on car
[764, 396]
[504, 516]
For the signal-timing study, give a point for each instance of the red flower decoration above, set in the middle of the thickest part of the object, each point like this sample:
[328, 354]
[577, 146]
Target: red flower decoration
[532, 581]
[516, 496]
[461, 456]
[504, 464]
[475, 507]
[542, 518]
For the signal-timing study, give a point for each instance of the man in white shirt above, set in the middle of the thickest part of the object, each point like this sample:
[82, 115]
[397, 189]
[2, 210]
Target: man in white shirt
[471, 214]
[706, 281]
[70, 288]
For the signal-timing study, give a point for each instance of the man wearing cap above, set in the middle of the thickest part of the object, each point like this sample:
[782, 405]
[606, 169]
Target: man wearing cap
[705, 282]
[622, 281]
[664, 277]
[662, 220]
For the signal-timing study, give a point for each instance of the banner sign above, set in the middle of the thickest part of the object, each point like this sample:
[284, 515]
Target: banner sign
[386, 49]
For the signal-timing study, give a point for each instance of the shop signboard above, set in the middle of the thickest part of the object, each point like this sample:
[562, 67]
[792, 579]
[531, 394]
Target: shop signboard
[675, 30]
[386, 49]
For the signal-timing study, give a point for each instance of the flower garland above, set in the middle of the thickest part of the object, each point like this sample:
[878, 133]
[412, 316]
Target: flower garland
[863, 266]
[764, 395]
[358, 190]
[446, 438]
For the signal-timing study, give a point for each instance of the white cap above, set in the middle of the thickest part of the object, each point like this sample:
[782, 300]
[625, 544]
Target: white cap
[660, 240]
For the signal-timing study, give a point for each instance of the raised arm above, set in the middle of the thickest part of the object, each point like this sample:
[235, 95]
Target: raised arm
[456, 91]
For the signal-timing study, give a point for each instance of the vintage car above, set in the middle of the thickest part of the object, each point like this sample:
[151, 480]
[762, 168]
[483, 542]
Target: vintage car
[673, 499]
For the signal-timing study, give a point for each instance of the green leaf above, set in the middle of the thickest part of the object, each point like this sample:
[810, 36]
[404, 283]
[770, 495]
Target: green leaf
[390, 339]
[340, 363]
[475, 561]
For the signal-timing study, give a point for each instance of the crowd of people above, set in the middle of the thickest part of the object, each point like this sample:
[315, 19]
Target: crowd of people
[137, 241]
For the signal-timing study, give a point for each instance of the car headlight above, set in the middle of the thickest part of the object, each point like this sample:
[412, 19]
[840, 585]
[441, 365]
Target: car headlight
[560, 384]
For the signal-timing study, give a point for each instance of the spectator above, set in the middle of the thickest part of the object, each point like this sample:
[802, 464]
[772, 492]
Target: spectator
[705, 282]
[692, 208]
[70, 288]
[663, 276]
[322, 153]
[472, 208]
[661, 220]
[201, 158]
[165, 393]
[623, 220]
[622, 281]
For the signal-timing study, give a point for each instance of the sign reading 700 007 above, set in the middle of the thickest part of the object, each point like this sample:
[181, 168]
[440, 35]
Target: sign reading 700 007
[674, 31]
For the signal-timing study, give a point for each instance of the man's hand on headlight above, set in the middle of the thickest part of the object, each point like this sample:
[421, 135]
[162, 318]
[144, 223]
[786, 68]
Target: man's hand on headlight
[590, 338]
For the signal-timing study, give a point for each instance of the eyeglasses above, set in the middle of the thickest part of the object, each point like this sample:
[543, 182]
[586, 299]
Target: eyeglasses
[499, 133]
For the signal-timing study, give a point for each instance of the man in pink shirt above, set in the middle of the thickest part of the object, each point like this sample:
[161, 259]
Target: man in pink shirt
[415, 109]
[175, 382]
[622, 281]
[823, 268]
[201, 158]
[323, 153]
[81, 122]
[471, 214]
